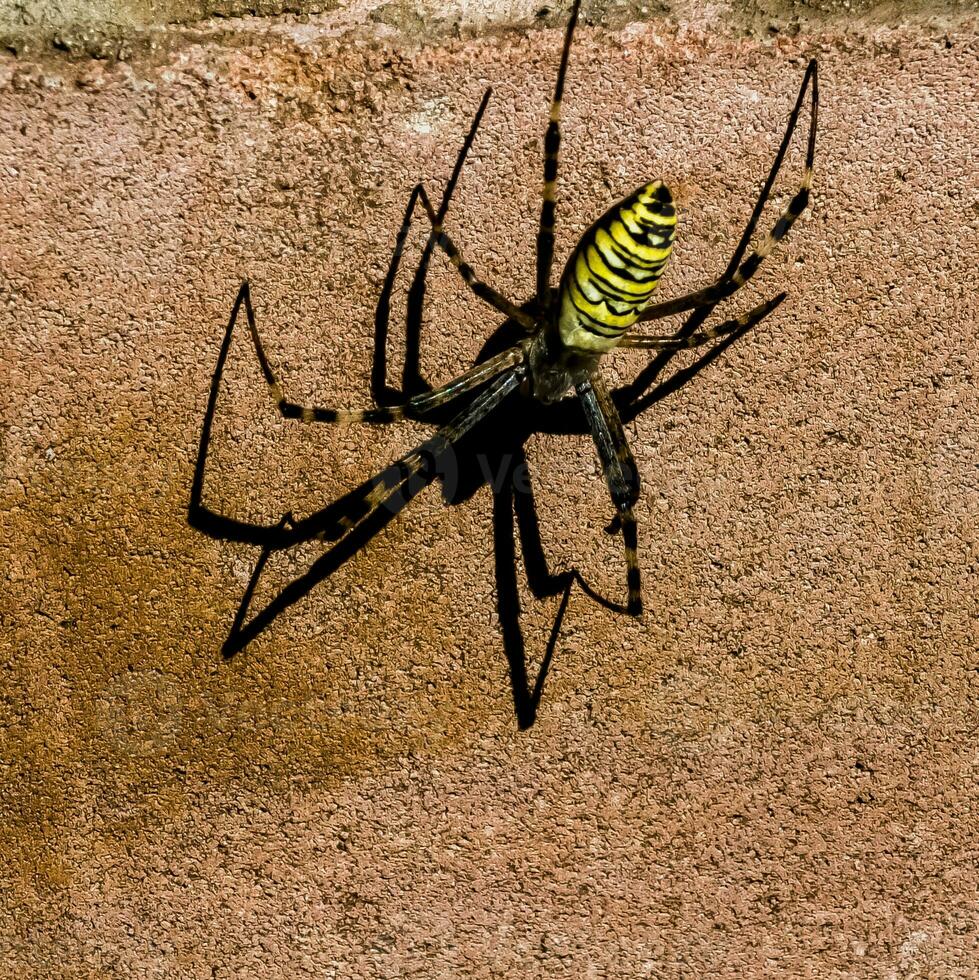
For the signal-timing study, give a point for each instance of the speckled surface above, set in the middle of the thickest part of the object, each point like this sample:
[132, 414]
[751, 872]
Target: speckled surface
[773, 773]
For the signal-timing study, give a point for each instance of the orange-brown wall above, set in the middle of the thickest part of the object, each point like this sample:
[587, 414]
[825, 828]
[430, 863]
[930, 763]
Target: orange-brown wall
[772, 773]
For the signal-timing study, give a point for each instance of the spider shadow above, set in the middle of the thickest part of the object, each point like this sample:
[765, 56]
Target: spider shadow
[493, 453]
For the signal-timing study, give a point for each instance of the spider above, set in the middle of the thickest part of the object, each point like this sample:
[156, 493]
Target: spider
[605, 289]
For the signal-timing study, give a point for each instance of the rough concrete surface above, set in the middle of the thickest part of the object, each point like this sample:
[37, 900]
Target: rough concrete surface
[772, 773]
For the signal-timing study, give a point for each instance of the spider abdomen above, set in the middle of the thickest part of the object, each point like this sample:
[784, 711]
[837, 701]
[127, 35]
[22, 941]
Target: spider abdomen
[611, 275]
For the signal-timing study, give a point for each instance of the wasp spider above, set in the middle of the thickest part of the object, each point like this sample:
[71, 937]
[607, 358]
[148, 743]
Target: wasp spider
[606, 289]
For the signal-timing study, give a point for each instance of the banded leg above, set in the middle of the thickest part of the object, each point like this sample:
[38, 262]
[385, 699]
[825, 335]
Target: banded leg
[485, 292]
[425, 401]
[552, 145]
[389, 484]
[621, 475]
[413, 406]
[737, 272]
[743, 322]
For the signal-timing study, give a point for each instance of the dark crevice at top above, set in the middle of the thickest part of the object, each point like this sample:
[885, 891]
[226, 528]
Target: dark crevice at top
[122, 30]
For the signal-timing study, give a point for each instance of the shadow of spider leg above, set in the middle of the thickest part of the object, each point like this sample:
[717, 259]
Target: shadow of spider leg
[513, 508]
[412, 382]
[331, 522]
[350, 521]
[340, 518]
[515, 511]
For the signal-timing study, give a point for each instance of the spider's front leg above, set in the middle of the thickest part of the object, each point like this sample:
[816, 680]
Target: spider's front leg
[621, 475]
[552, 146]
[485, 292]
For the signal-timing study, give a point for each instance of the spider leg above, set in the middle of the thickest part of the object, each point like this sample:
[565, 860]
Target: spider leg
[439, 237]
[552, 145]
[485, 292]
[743, 322]
[385, 488]
[413, 406]
[621, 475]
[737, 272]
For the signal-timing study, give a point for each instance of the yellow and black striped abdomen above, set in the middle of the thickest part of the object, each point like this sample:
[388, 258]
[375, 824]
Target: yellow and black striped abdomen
[610, 277]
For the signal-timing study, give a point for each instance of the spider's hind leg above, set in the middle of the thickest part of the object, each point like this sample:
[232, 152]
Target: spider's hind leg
[621, 475]
[552, 147]
[739, 269]
[419, 405]
[683, 341]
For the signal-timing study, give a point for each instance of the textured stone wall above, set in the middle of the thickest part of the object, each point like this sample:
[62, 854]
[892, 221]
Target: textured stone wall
[772, 773]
